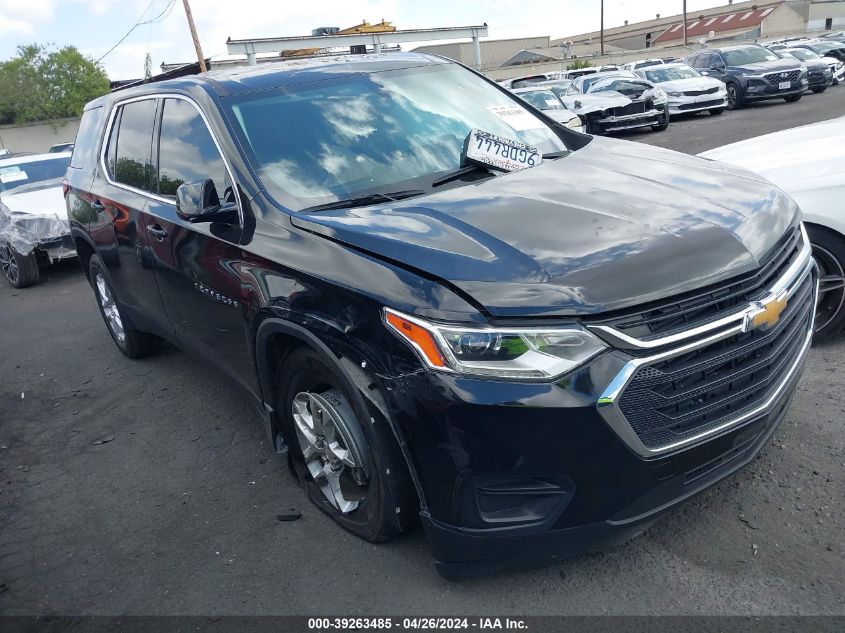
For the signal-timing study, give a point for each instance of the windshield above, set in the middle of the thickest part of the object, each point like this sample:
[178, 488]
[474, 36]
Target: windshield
[802, 53]
[16, 175]
[748, 55]
[362, 133]
[542, 99]
[671, 73]
[823, 49]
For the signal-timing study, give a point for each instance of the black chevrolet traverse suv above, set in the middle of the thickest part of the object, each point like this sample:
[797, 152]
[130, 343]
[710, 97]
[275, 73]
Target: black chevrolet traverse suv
[752, 73]
[531, 362]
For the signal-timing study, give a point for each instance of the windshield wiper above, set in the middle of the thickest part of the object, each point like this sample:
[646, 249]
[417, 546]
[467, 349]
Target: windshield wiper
[558, 154]
[362, 201]
[460, 173]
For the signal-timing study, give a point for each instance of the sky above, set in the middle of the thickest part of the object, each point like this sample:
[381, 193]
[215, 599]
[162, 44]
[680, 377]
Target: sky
[95, 26]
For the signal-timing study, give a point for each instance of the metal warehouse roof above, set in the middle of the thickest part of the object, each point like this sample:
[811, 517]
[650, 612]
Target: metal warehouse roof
[729, 21]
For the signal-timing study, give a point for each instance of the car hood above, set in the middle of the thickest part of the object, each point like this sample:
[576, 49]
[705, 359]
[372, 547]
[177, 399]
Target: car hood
[767, 67]
[801, 158]
[561, 116]
[612, 225]
[584, 104]
[691, 83]
[37, 199]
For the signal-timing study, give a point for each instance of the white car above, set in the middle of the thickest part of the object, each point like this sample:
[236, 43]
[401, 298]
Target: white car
[687, 89]
[808, 163]
[547, 101]
[34, 228]
[642, 63]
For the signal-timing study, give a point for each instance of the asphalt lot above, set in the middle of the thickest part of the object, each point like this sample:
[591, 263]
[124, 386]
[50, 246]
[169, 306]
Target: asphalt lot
[147, 487]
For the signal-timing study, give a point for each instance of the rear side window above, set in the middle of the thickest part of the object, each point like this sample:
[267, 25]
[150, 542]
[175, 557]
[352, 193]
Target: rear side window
[86, 138]
[132, 165]
[187, 152]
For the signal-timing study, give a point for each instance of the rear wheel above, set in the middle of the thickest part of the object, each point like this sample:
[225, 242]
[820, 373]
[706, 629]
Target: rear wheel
[819, 89]
[793, 98]
[132, 342]
[20, 270]
[348, 462]
[735, 100]
[829, 253]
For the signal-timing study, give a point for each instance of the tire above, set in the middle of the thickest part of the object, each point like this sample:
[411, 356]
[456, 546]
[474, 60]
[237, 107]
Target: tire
[131, 341]
[21, 271]
[663, 125]
[716, 111]
[793, 98]
[378, 501]
[829, 253]
[819, 89]
[735, 96]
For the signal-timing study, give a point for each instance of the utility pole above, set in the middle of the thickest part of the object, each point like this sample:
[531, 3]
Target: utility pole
[194, 35]
[601, 29]
[685, 22]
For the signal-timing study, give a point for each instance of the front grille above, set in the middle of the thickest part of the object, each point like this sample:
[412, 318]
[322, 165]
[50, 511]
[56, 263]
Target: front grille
[698, 93]
[673, 400]
[697, 308]
[775, 78]
[635, 107]
[702, 104]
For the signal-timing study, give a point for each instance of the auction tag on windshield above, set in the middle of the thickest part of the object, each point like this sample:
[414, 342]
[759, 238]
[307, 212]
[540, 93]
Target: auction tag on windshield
[501, 153]
[517, 117]
[12, 176]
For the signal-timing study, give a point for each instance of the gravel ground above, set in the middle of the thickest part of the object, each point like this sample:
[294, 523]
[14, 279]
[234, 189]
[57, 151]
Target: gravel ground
[148, 488]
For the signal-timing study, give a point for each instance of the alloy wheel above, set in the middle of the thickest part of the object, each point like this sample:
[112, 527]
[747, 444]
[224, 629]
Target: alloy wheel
[9, 264]
[109, 309]
[831, 297]
[732, 95]
[332, 450]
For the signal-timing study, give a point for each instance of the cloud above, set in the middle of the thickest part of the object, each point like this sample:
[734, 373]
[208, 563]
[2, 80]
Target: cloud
[27, 14]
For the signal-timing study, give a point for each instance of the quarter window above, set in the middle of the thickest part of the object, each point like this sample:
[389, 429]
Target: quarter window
[132, 165]
[187, 152]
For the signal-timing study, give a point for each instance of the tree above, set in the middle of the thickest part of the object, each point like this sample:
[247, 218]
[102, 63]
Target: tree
[42, 83]
[579, 63]
[148, 67]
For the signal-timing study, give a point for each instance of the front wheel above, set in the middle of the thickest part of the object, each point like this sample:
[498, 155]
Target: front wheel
[819, 89]
[347, 460]
[735, 101]
[829, 253]
[21, 271]
[663, 124]
[793, 98]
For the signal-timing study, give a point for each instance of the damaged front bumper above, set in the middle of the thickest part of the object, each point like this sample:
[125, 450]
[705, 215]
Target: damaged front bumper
[47, 234]
[629, 121]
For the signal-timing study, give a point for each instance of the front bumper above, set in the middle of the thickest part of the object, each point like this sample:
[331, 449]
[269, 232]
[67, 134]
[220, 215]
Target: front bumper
[514, 474]
[630, 121]
[760, 91]
[699, 103]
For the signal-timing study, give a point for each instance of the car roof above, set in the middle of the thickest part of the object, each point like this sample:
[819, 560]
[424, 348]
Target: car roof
[242, 79]
[662, 66]
[21, 159]
[534, 88]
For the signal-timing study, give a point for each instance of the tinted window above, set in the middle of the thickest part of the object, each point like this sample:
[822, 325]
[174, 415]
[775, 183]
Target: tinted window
[542, 99]
[703, 60]
[187, 152]
[14, 175]
[85, 138]
[134, 144]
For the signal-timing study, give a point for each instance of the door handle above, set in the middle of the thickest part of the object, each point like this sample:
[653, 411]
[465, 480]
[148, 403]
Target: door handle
[156, 231]
[98, 206]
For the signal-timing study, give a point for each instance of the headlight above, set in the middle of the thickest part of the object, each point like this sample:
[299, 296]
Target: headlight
[515, 353]
[674, 94]
[574, 123]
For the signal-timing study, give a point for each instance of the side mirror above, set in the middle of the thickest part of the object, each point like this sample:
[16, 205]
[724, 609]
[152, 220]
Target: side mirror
[199, 202]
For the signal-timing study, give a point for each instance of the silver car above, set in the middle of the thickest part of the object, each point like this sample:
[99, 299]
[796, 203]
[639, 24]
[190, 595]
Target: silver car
[688, 90]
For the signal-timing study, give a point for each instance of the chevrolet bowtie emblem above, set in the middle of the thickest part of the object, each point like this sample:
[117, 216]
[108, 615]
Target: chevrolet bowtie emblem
[766, 313]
